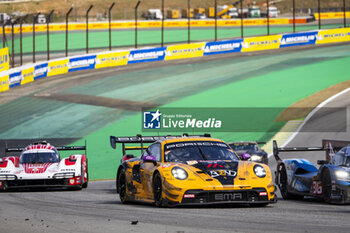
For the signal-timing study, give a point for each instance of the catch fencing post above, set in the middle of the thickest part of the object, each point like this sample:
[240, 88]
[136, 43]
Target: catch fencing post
[48, 19]
[67, 15]
[3, 35]
[35, 18]
[319, 14]
[136, 7]
[21, 38]
[87, 28]
[241, 18]
[189, 20]
[163, 17]
[267, 17]
[216, 20]
[13, 44]
[110, 28]
[344, 8]
[294, 16]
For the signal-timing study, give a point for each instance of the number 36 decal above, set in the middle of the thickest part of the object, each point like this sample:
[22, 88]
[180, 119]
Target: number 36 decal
[316, 187]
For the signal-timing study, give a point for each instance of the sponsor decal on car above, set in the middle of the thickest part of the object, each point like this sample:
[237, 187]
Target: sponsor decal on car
[228, 196]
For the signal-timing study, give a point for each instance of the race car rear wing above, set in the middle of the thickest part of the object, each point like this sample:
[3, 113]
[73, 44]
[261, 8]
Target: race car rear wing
[59, 148]
[277, 150]
[145, 139]
[248, 142]
[329, 146]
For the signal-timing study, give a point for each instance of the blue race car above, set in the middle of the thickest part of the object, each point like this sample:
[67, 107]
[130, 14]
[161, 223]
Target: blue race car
[297, 178]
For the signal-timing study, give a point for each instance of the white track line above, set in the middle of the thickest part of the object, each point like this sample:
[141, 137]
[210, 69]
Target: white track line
[310, 115]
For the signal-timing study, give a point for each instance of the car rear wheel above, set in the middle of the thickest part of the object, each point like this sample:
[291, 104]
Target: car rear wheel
[84, 180]
[122, 186]
[158, 190]
[326, 186]
[283, 180]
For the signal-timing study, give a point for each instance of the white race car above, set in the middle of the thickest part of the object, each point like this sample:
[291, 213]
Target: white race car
[40, 165]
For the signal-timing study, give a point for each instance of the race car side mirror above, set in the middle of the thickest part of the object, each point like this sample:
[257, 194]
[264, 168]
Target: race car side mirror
[321, 162]
[149, 159]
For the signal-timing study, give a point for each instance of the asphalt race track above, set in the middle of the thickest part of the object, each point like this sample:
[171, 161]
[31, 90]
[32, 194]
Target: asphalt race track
[98, 209]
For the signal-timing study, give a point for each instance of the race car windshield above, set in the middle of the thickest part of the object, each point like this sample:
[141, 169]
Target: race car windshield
[243, 146]
[194, 151]
[39, 157]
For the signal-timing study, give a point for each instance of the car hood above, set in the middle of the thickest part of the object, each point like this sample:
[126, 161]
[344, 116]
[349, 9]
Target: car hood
[222, 170]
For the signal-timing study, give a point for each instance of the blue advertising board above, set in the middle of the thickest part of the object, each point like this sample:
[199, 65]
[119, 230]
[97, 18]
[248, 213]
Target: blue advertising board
[146, 55]
[294, 39]
[40, 71]
[82, 63]
[15, 79]
[227, 46]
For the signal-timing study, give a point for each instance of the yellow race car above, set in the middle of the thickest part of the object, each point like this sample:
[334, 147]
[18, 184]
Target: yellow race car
[188, 170]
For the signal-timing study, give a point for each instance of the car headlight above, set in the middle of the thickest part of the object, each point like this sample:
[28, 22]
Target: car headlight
[344, 175]
[63, 175]
[8, 177]
[255, 158]
[179, 173]
[259, 171]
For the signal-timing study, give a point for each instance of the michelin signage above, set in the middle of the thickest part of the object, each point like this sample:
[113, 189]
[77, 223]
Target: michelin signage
[15, 79]
[146, 55]
[227, 46]
[82, 63]
[294, 39]
[40, 71]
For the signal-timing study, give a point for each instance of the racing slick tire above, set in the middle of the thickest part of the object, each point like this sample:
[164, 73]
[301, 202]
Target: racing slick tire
[283, 180]
[85, 184]
[158, 190]
[326, 186]
[122, 186]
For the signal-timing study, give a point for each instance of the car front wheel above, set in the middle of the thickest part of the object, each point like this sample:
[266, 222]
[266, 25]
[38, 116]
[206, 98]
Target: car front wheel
[158, 190]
